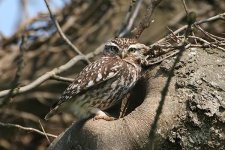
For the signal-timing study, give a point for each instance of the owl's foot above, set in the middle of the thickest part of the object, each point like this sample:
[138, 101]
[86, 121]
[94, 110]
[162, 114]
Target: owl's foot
[107, 118]
[101, 115]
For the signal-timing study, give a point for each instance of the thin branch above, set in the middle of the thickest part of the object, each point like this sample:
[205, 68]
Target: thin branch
[130, 18]
[217, 17]
[63, 36]
[59, 78]
[14, 83]
[153, 62]
[145, 22]
[211, 36]
[174, 35]
[44, 131]
[20, 114]
[52, 73]
[185, 6]
[9, 125]
[214, 18]
[211, 44]
[127, 18]
[44, 77]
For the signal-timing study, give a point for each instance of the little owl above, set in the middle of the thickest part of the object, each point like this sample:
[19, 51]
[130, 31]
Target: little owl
[105, 82]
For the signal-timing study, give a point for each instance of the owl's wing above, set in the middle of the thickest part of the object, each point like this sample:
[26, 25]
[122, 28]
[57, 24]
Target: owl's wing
[98, 72]
[91, 76]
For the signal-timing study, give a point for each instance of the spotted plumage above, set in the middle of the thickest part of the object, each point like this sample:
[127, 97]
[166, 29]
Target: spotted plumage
[104, 82]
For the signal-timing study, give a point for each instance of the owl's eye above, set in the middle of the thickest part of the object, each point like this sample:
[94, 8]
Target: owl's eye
[111, 49]
[132, 50]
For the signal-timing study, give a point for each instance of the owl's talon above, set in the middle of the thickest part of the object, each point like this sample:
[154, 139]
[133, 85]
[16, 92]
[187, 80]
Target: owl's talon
[107, 118]
[101, 115]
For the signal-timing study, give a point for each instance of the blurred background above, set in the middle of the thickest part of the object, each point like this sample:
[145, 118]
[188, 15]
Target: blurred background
[13, 12]
[88, 24]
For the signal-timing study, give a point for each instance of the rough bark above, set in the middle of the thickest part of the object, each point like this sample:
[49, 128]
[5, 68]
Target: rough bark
[193, 114]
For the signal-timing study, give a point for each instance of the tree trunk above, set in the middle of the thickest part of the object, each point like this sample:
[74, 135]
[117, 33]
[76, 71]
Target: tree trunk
[192, 117]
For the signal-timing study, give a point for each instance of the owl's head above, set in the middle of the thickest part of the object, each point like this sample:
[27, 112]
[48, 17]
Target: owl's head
[125, 48]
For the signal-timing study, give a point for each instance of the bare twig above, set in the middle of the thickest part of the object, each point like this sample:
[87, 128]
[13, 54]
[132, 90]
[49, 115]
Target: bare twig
[158, 60]
[203, 43]
[130, 18]
[14, 83]
[44, 132]
[208, 43]
[145, 22]
[73, 47]
[214, 18]
[185, 6]
[9, 125]
[211, 36]
[217, 17]
[177, 40]
[44, 77]
[20, 114]
[52, 73]
[98, 26]
[174, 33]
[59, 78]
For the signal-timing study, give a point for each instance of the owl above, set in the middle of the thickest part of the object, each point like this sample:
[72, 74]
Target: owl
[105, 82]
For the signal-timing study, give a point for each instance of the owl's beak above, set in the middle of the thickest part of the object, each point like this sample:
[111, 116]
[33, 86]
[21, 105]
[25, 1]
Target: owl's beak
[123, 54]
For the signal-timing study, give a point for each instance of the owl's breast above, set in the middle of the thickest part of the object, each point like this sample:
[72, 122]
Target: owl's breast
[106, 94]
[125, 81]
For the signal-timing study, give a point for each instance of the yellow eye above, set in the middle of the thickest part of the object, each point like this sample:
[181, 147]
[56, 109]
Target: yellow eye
[132, 50]
[114, 49]
[111, 49]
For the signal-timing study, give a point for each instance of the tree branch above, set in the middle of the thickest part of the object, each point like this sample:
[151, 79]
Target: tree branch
[130, 18]
[9, 125]
[14, 83]
[214, 18]
[63, 36]
[59, 78]
[51, 73]
[145, 22]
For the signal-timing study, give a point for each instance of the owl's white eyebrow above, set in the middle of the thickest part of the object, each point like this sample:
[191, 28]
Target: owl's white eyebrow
[111, 44]
[137, 46]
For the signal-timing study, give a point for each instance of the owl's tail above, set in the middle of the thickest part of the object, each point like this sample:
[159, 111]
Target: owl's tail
[52, 112]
